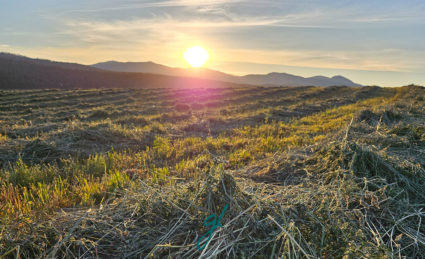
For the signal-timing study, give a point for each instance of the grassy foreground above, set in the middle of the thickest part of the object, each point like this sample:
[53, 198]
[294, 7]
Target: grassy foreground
[307, 172]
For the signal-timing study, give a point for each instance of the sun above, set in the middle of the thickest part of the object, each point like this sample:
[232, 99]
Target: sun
[196, 56]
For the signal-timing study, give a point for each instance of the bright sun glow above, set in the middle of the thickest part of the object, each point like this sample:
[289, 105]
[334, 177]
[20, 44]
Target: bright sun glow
[196, 56]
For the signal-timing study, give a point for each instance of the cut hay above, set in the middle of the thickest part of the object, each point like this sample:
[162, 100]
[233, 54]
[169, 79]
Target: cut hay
[356, 193]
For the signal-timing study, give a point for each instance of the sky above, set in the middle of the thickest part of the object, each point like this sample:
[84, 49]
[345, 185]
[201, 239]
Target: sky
[372, 42]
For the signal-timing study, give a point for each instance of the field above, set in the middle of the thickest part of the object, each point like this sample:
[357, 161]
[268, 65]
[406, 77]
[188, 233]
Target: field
[307, 172]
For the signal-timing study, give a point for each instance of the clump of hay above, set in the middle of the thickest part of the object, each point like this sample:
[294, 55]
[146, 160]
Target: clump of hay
[181, 107]
[99, 114]
[39, 151]
[134, 120]
[368, 116]
[197, 127]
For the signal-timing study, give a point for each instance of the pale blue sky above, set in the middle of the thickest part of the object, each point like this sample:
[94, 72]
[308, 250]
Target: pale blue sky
[371, 42]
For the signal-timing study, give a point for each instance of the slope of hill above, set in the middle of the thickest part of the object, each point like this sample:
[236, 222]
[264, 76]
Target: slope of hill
[154, 68]
[8, 59]
[271, 79]
[17, 72]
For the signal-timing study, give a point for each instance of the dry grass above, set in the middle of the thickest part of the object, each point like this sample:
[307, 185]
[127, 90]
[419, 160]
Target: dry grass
[342, 182]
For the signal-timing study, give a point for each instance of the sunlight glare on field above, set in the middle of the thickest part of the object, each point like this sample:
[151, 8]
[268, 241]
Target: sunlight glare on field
[196, 56]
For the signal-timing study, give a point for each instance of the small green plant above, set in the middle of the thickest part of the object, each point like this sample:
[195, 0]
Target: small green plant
[240, 157]
[3, 137]
[116, 180]
[162, 147]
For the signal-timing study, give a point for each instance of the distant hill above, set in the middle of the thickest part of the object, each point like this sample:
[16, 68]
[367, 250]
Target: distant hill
[12, 59]
[19, 72]
[154, 68]
[281, 79]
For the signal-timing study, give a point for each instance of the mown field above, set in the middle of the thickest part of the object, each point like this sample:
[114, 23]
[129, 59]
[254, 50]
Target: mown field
[307, 172]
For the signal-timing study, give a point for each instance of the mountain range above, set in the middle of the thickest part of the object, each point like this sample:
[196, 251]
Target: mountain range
[20, 72]
[271, 79]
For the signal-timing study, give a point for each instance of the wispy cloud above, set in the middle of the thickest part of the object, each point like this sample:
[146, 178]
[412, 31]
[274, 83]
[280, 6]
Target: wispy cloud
[132, 5]
[165, 22]
[390, 61]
